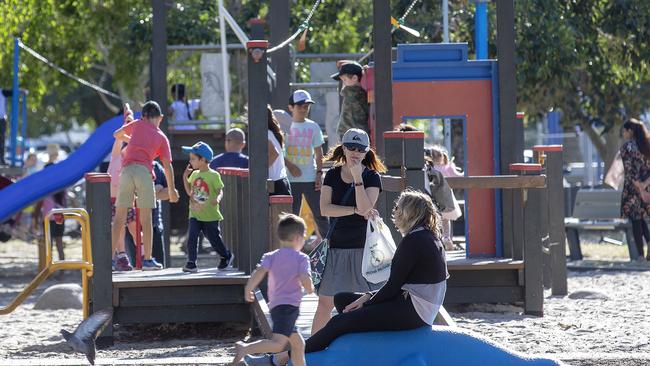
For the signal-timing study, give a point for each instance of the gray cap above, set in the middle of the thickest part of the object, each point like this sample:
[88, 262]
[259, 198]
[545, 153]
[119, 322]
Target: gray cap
[355, 137]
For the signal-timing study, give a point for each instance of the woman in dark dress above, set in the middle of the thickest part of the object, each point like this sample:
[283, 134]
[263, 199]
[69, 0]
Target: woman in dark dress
[635, 154]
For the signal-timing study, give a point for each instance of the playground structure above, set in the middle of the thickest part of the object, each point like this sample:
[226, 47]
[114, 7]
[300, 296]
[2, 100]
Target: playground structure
[504, 259]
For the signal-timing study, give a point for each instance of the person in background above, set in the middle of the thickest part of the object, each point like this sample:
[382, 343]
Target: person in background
[146, 142]
[204, 187]
[57, 200]
[233, 157]
[350, 191]
[413, 294]
[4, 94]
[162, 194]
[181, 110]
[304, 157]
[120, 260]
[354, 108]
[289, 272]
[635, 153]
[277, 169]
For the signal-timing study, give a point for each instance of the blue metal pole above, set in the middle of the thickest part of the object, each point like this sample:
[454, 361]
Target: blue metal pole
[24, 129]
[14, 104]
[481, 30]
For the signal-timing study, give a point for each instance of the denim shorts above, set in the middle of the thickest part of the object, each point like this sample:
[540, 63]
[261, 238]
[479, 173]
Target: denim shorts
[284, 319]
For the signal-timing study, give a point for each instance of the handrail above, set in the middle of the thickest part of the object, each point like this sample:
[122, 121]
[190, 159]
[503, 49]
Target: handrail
[85, 265]
[498, 182]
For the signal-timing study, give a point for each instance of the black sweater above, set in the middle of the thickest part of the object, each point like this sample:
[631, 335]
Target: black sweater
[419, 259]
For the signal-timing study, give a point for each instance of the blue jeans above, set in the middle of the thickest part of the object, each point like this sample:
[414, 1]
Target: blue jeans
[211, 231]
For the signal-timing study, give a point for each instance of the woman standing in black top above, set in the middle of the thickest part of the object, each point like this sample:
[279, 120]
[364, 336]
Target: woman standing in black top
[412, 295]
[356, 175]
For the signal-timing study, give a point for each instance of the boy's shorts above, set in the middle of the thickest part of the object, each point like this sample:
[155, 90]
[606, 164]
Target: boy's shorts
[134, 179]
[284, 319]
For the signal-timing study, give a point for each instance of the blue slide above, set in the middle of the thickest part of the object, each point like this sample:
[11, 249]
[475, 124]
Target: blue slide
[62, 174]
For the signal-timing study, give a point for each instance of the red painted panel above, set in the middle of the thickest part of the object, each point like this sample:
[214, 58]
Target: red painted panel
[473, 99]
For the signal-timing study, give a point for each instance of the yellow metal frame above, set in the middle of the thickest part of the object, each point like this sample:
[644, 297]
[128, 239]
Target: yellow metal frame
[85, 265]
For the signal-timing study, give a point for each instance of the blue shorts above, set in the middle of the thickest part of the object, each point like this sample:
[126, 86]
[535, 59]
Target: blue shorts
[284, 319]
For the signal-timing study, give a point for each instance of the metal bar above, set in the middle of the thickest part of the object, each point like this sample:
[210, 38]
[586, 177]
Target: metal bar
[205, 47]
[224, 64]
[241, 36]
[342, 55]
[445, 21]
[315, 85]
[481, 29]
[14, 104]
[497, 181]
[24, 129]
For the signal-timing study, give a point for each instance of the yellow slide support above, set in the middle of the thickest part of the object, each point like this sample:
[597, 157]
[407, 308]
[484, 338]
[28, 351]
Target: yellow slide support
[85, 265]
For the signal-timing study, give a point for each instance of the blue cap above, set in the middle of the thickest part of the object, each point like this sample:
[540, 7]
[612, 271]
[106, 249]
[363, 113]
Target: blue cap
[200, 149]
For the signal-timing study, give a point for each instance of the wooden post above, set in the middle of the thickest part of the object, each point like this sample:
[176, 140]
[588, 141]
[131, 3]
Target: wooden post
[383, 42]
[159, 94]
[243, 227]
[511, 134]
[553, 163]
[277, 205]
[98, 198]
[394, 149]
[278, 19]
[533, 210]
[413, 151]
[258, 98]
[231, 208]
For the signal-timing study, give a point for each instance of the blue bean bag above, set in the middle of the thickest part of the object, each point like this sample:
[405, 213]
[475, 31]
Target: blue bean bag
[424, 346]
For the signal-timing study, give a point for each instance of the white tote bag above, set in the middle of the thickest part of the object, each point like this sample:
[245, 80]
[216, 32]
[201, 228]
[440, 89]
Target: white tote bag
[378, 251]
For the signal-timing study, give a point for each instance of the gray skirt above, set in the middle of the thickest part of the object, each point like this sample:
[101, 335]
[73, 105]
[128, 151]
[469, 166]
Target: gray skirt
[343, 273]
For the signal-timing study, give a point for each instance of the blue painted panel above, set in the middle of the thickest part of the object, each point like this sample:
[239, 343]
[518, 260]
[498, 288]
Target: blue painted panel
[423, 52]
[438, 61]
[430, 71]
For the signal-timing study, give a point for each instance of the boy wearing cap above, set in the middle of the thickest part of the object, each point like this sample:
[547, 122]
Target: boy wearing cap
[304, 157]
[354, 108]
[204, 186]
[145, 142]
[233, 157]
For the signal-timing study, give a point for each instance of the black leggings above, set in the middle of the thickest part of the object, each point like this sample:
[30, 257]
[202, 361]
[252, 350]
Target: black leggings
[395, 314]
[640, 230]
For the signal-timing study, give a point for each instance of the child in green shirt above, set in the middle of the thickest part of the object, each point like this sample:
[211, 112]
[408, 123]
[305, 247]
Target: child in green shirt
[204, 186]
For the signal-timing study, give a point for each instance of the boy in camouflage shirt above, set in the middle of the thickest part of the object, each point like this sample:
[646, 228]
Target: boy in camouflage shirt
[354, 109]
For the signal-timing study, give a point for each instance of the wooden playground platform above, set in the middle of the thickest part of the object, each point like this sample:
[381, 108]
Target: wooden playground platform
[169, 295]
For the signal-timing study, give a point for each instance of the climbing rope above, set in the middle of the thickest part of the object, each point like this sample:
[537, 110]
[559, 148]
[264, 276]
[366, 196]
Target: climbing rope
[304, 25]
[49, 63]
[400, 20]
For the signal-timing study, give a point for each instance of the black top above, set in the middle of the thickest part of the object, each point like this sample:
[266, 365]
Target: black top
[59, 197]
[419, 259]
[349, 231]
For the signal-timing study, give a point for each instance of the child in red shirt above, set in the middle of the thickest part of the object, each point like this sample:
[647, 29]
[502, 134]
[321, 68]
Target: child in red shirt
[146, 142]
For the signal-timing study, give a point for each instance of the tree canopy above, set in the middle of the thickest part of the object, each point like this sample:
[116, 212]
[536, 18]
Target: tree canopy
[587, 58]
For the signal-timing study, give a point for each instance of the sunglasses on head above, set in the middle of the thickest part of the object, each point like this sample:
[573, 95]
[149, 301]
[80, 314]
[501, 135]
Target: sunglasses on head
[355, 148]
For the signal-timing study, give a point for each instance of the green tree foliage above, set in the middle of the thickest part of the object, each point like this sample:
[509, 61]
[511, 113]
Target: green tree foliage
[587, 58]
